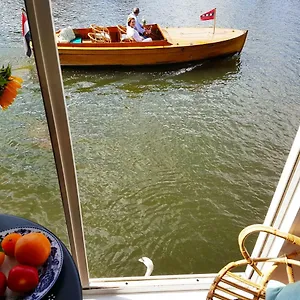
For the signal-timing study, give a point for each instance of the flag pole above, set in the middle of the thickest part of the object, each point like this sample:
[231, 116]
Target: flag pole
[215, 20]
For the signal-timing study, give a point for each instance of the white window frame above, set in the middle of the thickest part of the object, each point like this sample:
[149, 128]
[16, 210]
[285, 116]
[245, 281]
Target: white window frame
[283, 212]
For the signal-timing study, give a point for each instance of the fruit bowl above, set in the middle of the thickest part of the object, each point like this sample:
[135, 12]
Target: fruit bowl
[48, 272]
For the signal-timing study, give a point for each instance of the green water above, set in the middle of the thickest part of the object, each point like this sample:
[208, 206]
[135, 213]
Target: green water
[171, 163]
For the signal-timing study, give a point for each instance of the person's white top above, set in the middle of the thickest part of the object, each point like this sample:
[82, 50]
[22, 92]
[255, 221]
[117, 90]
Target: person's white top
[138, 26]
[132, 33]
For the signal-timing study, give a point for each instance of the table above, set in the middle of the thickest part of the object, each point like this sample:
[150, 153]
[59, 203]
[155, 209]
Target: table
[68, 285]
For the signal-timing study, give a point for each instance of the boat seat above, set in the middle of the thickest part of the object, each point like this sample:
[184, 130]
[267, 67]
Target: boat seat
[229, 285]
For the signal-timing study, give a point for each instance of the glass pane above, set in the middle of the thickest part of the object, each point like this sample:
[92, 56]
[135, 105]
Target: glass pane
[29, 186]
[173, 163]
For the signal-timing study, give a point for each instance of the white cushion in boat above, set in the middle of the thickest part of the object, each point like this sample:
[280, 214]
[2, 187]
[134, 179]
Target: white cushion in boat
[102, 34]
[66, 35]
[124, 37]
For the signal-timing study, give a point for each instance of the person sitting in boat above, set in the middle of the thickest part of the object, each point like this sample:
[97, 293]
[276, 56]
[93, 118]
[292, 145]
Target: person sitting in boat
[132, 32]
[138, 26]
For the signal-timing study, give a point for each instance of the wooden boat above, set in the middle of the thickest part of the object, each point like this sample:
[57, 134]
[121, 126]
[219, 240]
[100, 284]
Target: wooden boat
[169, 46]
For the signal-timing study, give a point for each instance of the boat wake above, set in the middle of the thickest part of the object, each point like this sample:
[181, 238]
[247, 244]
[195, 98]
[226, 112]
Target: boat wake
[184, 70]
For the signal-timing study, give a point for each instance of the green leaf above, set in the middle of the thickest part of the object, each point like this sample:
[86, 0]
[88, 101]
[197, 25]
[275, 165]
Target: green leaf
[5, 73]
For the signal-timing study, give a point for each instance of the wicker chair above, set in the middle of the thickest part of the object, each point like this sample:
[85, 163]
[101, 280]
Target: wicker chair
[228, 285]
[122, 29]
[99, 34]
[122, 34]
[97, 38]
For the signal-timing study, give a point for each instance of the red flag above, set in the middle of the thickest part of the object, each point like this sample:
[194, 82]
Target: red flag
[210, 15]
[26, 34]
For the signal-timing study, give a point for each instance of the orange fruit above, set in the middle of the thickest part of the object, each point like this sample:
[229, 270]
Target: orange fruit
[9, 242]
[32, 249]
[2, 257]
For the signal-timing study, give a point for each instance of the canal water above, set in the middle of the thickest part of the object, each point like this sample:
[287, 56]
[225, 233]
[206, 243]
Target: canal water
[171, 163]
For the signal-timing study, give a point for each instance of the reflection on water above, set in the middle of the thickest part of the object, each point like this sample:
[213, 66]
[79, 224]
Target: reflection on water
[172, 162]
[89, 79]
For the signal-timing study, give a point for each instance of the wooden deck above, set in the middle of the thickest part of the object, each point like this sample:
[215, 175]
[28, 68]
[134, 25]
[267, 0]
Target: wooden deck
[192, 36]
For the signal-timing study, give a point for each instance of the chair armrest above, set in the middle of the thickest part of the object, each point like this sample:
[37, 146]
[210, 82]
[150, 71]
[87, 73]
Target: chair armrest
[262, 228]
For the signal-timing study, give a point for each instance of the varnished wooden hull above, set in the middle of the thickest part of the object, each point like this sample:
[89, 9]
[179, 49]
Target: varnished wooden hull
[182, 45]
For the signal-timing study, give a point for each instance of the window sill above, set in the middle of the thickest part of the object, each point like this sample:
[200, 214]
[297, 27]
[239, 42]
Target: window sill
[158, 287]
